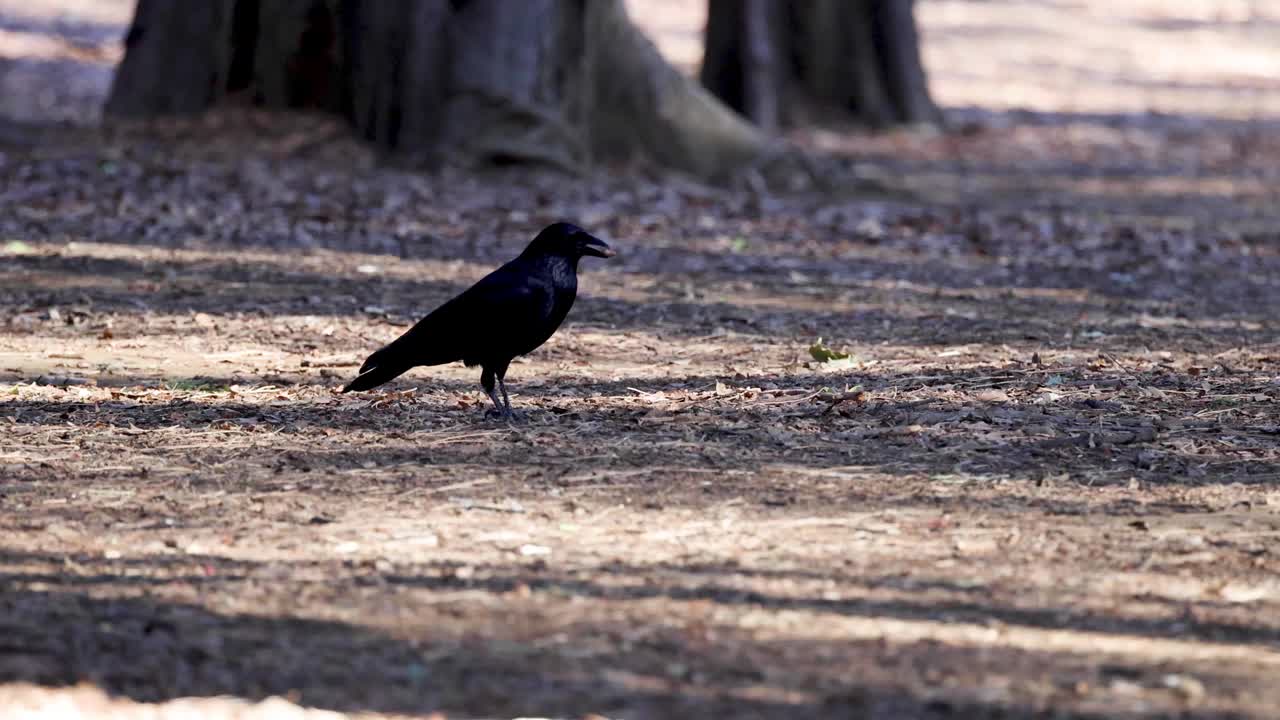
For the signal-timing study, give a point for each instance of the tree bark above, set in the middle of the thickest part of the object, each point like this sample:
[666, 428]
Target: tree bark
[641, 103]
[761, 97]
[175, 58]
[557, 81]
[856, 58]
[898, 47]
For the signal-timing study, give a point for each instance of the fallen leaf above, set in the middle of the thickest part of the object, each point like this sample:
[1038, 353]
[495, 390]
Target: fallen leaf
[824, 354]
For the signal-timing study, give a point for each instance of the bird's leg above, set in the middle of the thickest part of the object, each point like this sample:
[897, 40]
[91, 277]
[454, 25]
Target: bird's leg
[486, 381]
[501, 372]
[503, 387]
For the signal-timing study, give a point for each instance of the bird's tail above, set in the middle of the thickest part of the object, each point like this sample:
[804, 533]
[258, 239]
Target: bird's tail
[383, 366]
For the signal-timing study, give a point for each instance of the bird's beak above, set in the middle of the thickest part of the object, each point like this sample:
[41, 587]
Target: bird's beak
[595, 247]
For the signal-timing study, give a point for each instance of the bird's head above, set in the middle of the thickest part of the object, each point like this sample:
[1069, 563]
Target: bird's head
[569, 240]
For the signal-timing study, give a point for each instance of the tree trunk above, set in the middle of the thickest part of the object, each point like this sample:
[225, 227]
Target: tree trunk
[556, 81]
[856, 58]
[175, 60]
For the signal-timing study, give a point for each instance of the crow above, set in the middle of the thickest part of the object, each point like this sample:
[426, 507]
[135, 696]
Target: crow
[509, 312]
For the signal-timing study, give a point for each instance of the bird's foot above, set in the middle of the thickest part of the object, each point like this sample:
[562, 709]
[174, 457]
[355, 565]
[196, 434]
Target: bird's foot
[510, 416]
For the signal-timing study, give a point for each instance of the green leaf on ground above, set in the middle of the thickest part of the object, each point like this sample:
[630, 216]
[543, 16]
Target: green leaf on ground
[196, 385]
[831, 359]
[822, 353]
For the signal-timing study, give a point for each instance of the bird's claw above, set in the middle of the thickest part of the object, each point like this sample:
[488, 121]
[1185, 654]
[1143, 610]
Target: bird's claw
[510, 416]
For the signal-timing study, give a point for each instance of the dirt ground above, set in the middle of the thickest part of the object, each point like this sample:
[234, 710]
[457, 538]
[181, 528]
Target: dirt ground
[1044, 483]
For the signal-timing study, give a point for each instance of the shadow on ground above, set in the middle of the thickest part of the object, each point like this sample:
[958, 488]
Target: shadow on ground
[537, 661]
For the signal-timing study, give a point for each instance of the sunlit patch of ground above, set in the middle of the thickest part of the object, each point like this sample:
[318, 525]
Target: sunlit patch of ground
[1095, 56]
[57, 58]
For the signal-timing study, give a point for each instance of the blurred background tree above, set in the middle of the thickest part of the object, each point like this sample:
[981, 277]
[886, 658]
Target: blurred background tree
[554, 81]
[788, 62]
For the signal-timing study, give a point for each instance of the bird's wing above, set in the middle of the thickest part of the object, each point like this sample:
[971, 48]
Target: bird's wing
[498, 315]
[494, 313]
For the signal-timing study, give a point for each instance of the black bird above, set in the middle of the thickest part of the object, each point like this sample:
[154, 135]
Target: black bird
[510, 312]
